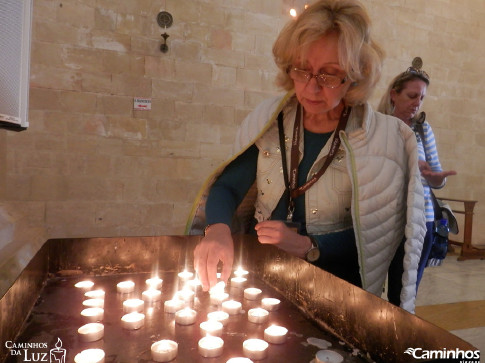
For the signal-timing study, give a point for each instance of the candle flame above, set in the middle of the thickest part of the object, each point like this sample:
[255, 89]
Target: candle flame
[58, 344]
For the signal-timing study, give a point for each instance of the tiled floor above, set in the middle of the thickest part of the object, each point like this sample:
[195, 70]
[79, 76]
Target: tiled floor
[452, 296]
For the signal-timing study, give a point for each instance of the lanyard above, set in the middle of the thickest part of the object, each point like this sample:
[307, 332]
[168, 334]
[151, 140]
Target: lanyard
[292, 188]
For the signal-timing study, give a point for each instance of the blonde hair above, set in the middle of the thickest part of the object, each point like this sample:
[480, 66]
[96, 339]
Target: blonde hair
[359, 55]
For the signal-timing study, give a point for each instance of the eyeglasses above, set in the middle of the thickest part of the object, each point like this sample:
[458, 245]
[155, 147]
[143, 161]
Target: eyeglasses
[323, 80]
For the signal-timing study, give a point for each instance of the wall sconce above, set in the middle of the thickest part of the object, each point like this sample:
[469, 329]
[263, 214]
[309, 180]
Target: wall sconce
[165, 20]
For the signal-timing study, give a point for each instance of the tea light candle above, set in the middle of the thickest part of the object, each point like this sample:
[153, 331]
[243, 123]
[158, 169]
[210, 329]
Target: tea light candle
[125, 287]
[151, 295]
[154, 283]
[258, 315]
[91, 332]
[211, 327]
[133, 321]
[186, 295]
[252, 293]
[164, 350]
[217, 298]
[238, 281]
[220, 316]
[186, 275]
[210, 346]
[132, 305]
[231, 307]
[194, 284]
[95, 294]
[270, 303]
[239, 360]
[275, 334]
[90, 356]
[84, 285]
[94, 303]
[92, 315]
[255, 348]
[240, 272]
[185, 316]
[328, 356]
[172, 306]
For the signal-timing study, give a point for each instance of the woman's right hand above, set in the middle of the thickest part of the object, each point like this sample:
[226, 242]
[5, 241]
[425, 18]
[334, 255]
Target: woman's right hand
[217, 245]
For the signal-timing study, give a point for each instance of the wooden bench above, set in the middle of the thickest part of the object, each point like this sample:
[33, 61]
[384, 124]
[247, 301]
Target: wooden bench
[468, 252]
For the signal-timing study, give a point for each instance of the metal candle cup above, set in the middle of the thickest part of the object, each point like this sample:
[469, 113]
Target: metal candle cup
[84, 285]
[133, 321]
[238, 281]
[220, 316]
[185, 316]
[151, 295]
[270, 304]
[92, 315]
[328, 356]
[91, 332]
[125, 287]
[256, 349]
[154, 283]
[185, 275]
[90, 356]
[231, 307]
[210, 346]
[172, 306]
[211, 327]
[275, 334]
[240, 272]
[93, 303]
[252, 293]
[164, 350]
[132, 305]
[217, 298]
[95, 294]
[258, 315]
[186, 295]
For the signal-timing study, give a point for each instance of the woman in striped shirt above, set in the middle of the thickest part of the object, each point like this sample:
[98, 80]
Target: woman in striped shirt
[403, 99]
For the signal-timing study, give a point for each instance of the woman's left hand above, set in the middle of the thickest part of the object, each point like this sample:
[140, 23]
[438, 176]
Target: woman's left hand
[434, 178]
[277, 233]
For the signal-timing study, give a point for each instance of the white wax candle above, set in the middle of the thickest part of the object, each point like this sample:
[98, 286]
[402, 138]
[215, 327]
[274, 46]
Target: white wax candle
[132, 305]
[231, 307]
[256, 349]
[194, 284]
[275, 334]
[125, 287]
[172, 306]
[133, 321]
[92, 315]
[151, 295]
[185, 316]
[95, 294]
[154, 283]
[186, 275]
[258, 315]
[252, 293]
[270, 303]
[164, 350]
[84, 285]
[91, 332]
[328, 356]
[210, 346]
[240, 272]
[239, 360]
[93, 303]
[211, 327]
[90, 356]
[186, 295]
[238, 281]
[220, 316]
[216, 298]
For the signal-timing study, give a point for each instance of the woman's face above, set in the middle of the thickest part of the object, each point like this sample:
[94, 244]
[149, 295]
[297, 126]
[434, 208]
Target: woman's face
[322, 57]
[409, 100]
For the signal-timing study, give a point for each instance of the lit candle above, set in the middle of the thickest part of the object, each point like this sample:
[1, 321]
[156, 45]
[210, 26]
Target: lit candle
[95, 294]
[240, 272]
[172, 306]
[255, 348]
[151, 295]
[90, 356]
[185, 316]
[252, 293]
[231, 307]
[91, 332]
[270, 304]
[220, 316]
[328, 356]
[186, 295]
[186, 275]
[92, 315]
[211, 327]
[154, 283]
[164, 350]
[133, 320]
[210, 346]
[275, 334]
[84, 285]
[239, 360]
[194, 284]
[125, 287]
[132, 305]
[258, 315]
[238, 281]
[94, 303]
[216, 298]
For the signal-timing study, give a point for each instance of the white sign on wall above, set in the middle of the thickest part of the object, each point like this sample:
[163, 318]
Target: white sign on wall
[142, 103]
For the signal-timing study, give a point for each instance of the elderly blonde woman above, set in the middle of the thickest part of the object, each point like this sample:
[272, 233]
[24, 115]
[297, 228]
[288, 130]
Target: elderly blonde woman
[337, 183]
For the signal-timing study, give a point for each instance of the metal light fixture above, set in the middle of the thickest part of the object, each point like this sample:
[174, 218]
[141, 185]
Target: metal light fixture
[165, 20]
